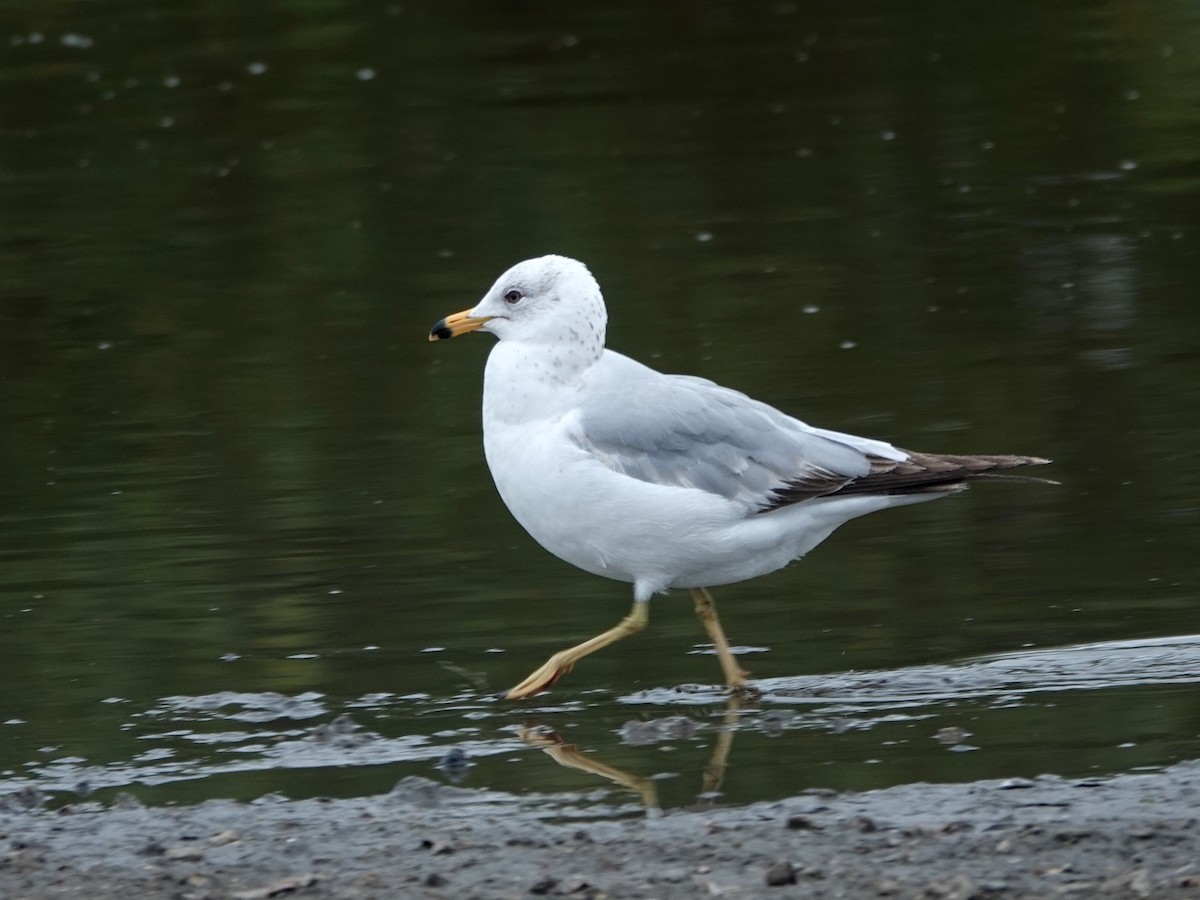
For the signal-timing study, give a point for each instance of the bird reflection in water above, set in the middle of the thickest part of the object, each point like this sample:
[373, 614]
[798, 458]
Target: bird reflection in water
[570, 756]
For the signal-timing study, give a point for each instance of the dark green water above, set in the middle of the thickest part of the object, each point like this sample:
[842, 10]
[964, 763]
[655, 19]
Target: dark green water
[240, 494]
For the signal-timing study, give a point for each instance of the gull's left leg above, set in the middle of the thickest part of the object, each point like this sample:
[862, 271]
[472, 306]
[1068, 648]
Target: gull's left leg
[735, 676]
[564, 661]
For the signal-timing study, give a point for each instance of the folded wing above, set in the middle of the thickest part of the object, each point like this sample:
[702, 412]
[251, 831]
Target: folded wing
[688, 432]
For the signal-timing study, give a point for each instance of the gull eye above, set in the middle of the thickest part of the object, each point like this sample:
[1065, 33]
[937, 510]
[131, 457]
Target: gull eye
[513, 297]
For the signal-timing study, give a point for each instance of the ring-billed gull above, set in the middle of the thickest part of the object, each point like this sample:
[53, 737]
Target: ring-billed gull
[663, 481]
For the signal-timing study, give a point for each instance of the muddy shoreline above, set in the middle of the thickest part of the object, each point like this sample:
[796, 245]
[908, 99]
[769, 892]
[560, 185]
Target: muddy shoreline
[1133, 835]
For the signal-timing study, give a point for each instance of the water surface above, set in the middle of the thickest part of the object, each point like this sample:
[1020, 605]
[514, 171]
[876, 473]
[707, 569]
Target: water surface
[242, 496]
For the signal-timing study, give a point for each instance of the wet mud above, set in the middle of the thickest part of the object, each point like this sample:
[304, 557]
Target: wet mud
[1131, 835]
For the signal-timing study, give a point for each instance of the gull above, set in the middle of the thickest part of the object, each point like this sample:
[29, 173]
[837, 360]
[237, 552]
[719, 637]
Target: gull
[662, 481]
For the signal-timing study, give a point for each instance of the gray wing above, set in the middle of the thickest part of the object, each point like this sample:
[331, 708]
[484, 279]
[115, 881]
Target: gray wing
[688, 432]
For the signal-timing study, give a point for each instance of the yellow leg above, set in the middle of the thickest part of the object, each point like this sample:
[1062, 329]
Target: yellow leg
[735, 675]
[564, 661]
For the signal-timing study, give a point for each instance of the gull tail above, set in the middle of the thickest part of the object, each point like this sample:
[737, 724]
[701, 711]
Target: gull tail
[924, 473]
[919, 473]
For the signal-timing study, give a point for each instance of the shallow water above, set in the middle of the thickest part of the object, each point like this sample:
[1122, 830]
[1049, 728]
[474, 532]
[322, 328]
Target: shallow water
[243, 496]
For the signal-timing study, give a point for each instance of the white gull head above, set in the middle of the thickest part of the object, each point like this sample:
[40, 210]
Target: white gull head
[548, 300]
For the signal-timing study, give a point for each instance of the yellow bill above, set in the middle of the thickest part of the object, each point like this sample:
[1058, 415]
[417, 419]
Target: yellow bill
[459, 323]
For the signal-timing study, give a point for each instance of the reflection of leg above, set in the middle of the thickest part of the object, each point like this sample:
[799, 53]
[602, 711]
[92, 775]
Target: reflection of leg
[714, 772]
[573, 758]
[735, 675]
[564, 661]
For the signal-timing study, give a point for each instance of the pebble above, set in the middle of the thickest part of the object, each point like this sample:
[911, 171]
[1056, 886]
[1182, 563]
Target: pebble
[126, 800]
[277, 888]
[21, 860]
[864, 824]
[781, 873]
[819, 792]
[418, 791]
[774, 722]
[802, 823]
[183, 854]
[952, 734]
[25, 799]
[1139, 883]
[577, 886]
[671, 728]
[958, 887]
[454, 764]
